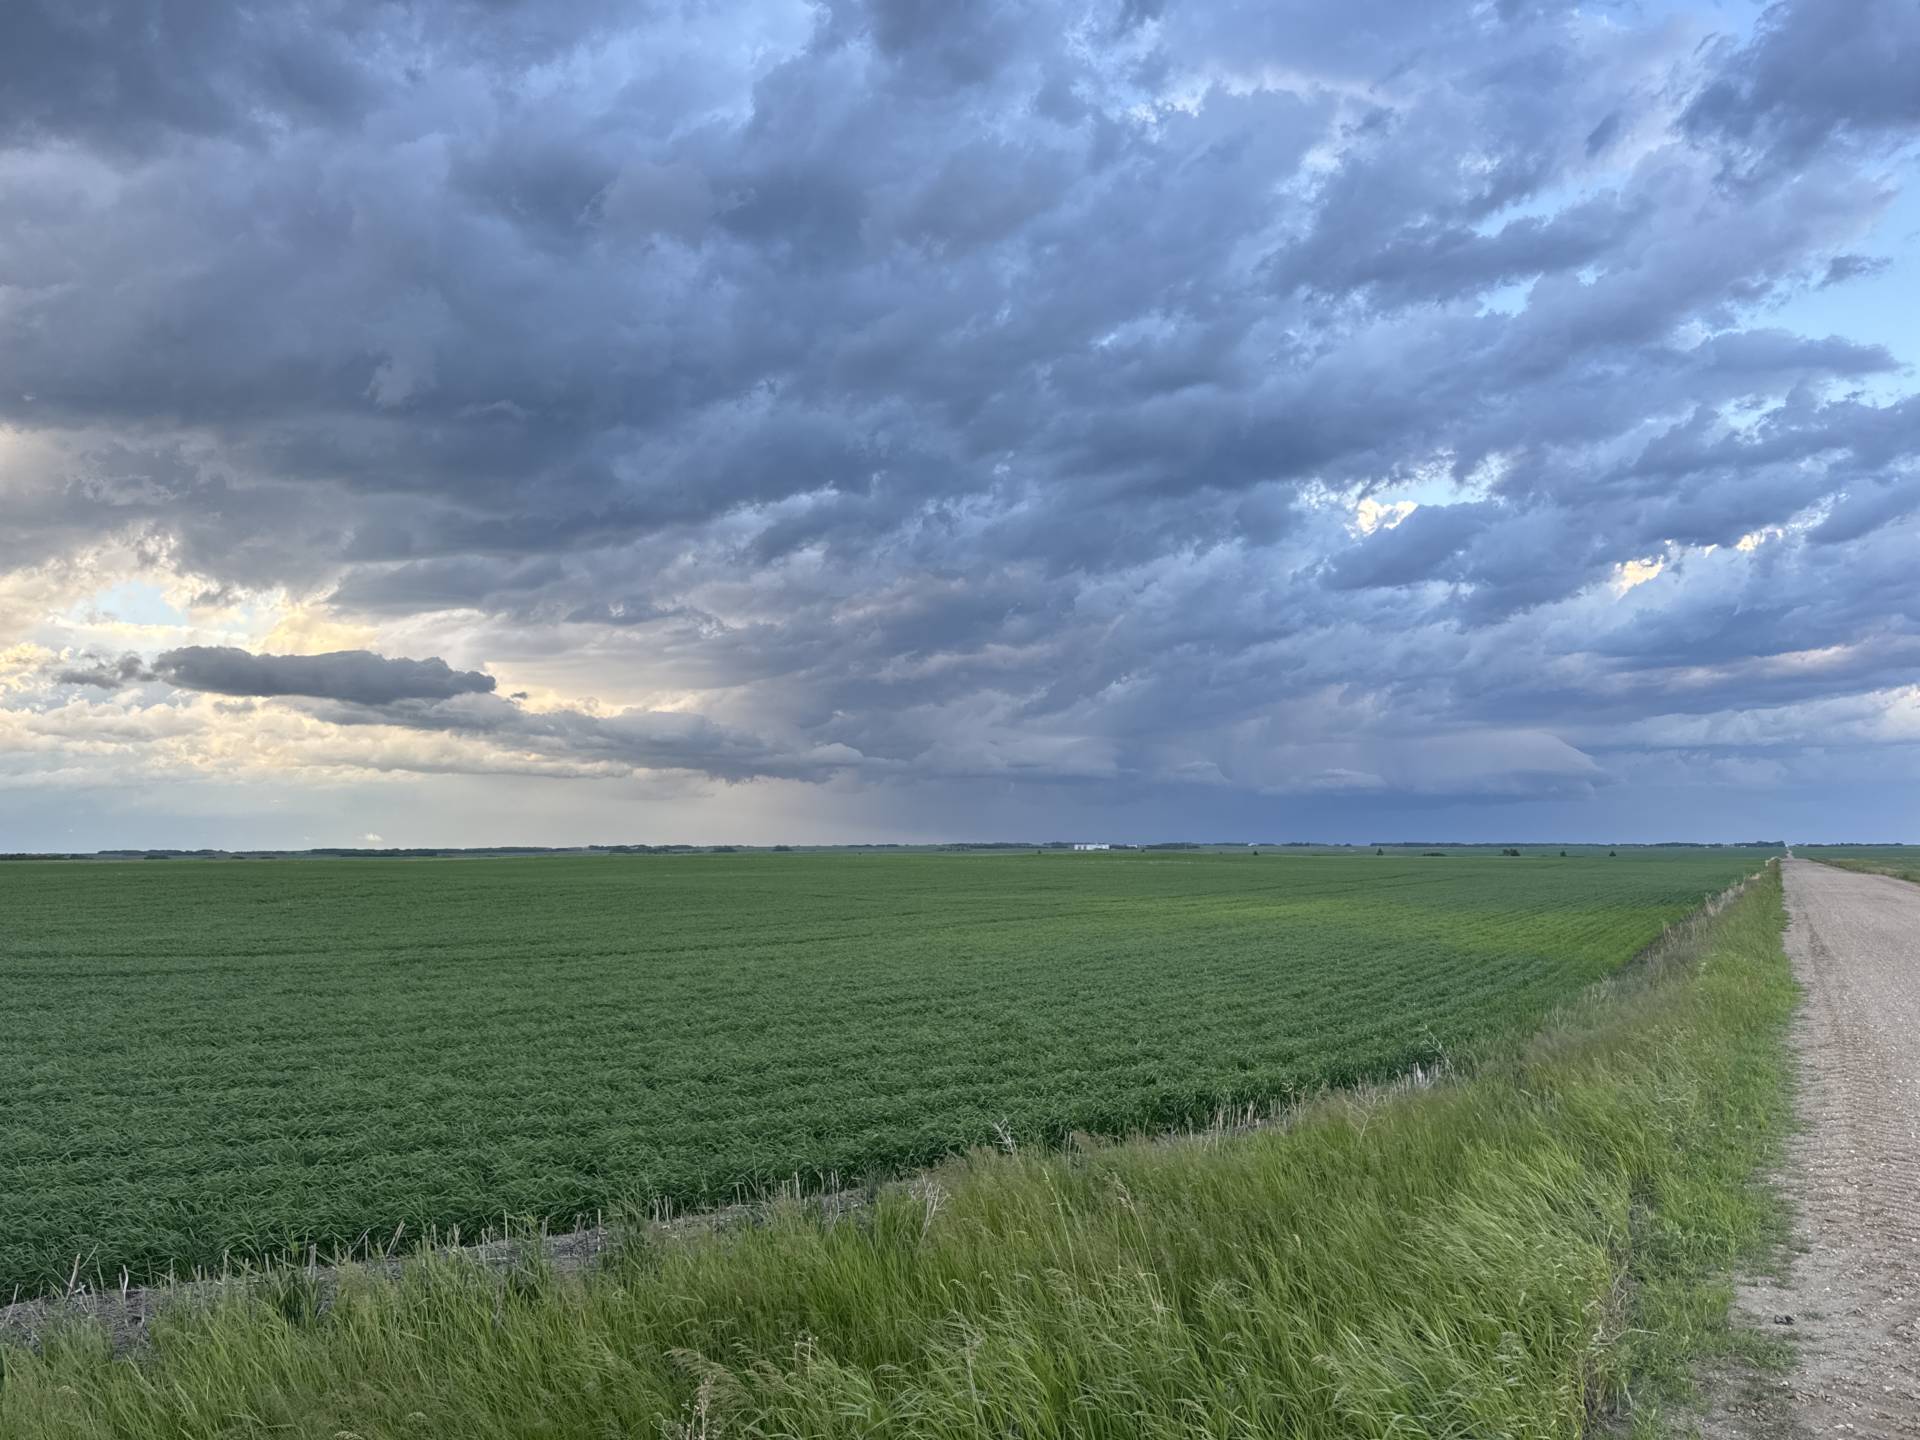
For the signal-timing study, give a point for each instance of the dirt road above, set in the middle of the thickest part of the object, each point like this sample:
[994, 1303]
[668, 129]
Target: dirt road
[1854, 1172]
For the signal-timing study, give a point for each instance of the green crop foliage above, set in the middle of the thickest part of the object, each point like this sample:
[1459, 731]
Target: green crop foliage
[1542, 1250]
[239, 1059]
[1900, 861]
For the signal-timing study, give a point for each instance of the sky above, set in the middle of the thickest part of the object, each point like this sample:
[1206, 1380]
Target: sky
[466, 422]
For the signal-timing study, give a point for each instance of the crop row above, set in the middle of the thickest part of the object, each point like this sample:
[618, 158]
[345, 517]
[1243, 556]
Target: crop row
[209, 1058]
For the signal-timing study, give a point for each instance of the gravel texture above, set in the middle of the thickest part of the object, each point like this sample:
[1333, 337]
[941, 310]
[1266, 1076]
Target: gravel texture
[1851, 1298]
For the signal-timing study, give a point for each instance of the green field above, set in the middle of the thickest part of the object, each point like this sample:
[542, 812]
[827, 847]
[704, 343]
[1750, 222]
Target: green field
[1542, 1249]
[1898, 860]
[207, 1058]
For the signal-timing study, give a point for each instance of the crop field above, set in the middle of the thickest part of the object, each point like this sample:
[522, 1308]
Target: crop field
[212, 1058]
[1898, 860]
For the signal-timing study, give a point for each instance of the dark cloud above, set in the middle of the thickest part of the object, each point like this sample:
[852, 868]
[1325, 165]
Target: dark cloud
[625, 740]
[1417, 549]
[887, 391]
[1838, 69]
[127, 74]
[1867, 509]
[124, 73]
[357, 676]
[106, 674]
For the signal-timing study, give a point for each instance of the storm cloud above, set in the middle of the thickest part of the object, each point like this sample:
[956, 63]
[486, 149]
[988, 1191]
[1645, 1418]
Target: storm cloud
[1308, 415]
[1816, 72]
[105, 674]
[358, 676]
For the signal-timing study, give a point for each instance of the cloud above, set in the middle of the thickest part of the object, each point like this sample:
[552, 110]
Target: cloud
[1417, 549]
[1814, 73]
[106, 674]
[889, 397]
[356, 676]
[1842, 268]
[622, 742]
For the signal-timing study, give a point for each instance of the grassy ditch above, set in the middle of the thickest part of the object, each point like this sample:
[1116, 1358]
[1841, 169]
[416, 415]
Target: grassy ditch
[1538, 1250]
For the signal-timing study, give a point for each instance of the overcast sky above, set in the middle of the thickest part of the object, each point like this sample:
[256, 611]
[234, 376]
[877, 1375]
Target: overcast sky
[470, 421]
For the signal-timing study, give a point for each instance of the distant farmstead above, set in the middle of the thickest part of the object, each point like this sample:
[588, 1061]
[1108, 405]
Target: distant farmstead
[1093, 847]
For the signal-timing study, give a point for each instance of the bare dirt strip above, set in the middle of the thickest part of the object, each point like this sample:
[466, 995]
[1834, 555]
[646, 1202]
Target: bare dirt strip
[1851, 1296]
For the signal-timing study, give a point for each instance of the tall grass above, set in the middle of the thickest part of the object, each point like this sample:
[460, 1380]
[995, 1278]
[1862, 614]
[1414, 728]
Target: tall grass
[1532, 1251]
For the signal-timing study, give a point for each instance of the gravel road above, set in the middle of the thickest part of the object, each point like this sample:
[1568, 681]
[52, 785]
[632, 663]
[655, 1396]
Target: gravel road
[1853, 1176]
